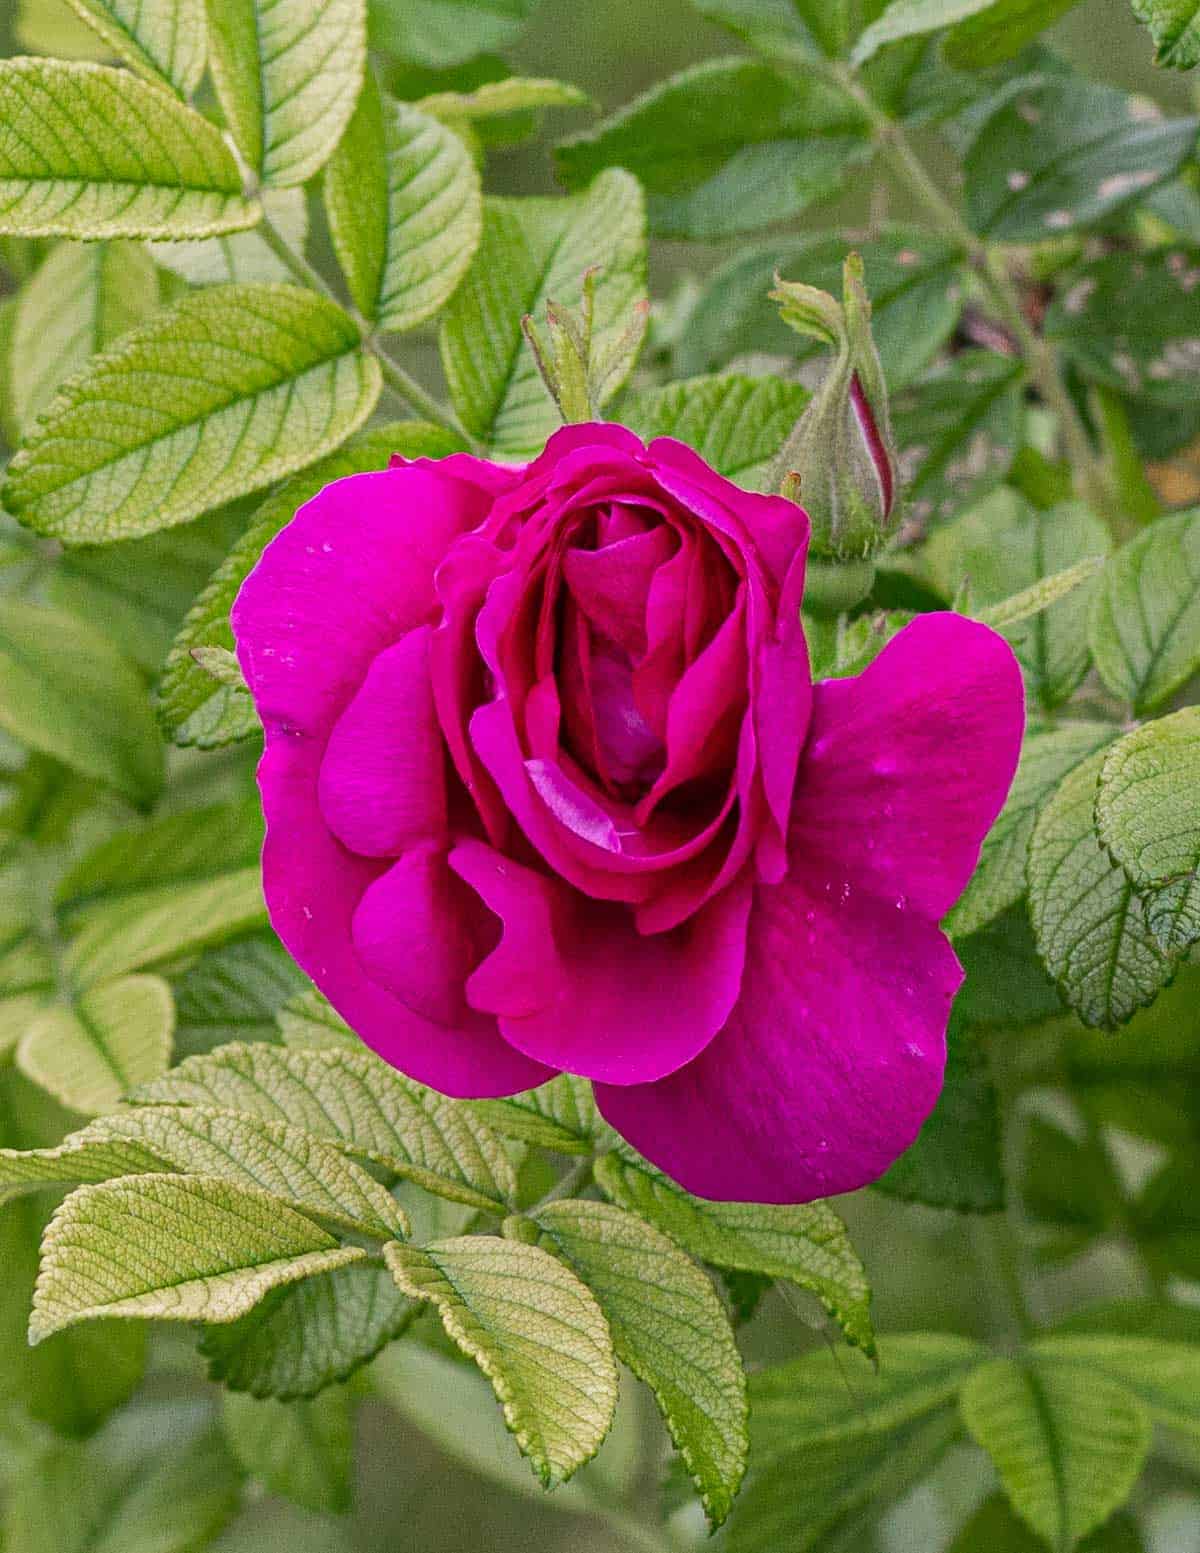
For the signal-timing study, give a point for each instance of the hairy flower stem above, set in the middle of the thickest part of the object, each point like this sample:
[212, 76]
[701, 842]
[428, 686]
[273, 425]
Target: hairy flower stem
[394, 374]
[1091, 478]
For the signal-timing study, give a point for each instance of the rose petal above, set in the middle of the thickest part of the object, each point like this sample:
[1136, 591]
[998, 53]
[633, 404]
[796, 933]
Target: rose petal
[827, 1067]
[574, 983]
[383, 781]
[353, 568]
[908, 764]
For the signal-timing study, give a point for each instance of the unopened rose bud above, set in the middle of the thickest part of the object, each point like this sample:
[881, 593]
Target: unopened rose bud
[840, 462]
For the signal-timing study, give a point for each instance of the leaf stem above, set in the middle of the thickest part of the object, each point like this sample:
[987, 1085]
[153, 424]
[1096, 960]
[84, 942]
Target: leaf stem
[421, 400]
[1091, 478]
[578, 1177]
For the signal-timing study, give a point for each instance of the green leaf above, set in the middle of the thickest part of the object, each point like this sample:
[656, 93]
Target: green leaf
[163, 40]
[192, 707]
[74, 1380]
[807, 1244]
[93, 152]
[497, 99]
[1047, 759]
[726, 146]
[65, 691]
[956, 1161]
[910, 275]
[1062, 153]
[1164, 1376]
[172, 1248]
[669, 1327]
[309, 1020]
[1175, 27]
[1006, 545]
[813, 1397]
[1146, 816]
[440, 33]
[1145, 809]
[113, 1038]
[1067, 1442]
[353, 1099]
[534, 251]
[560, 1115]
[244, 257]
[736, 424]
[995, 1528]
[957, 430]
[1145, 624]
[830, 1451]
[1000, 32]
[533, 1329]
[81, 299]
[780, 27]
[1006, 984]
[128, 1490]
[405, 211]
[233, 993]
[284, 381]
[910, 19]
[52, 27]
[305, 1336]
[303, 1450]
[138, 592]
[1090, 925]
[152, 927]
[1039, 596]
[1071, 1186]
[306, 1172]
[288, 73]
[1129, 323]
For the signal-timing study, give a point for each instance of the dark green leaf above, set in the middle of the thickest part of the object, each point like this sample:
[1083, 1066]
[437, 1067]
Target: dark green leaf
[1145, 622]
[1091, 927]
[999, 33]
[1047, 758]
[302, 1449]
[1129, 321]
[438, 33]
[1062, 153]
[957, 431]
[303, 1337]
[956, 1160]
[725, 147]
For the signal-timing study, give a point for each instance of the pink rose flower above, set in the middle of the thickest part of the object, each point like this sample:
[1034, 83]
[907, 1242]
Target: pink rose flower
[548, 788]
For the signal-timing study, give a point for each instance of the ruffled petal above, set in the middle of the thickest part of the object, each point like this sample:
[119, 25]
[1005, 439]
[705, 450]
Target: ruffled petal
[354, 568]
[827, 1067]
[383, 779]
[908, 764]
[574, 983]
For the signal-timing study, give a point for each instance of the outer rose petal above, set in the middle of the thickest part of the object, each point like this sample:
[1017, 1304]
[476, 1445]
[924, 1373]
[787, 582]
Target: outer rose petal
[834, 1055]
[382, 787]
[828, 1066]
[354, 568]
[908, 764]
[575, 984]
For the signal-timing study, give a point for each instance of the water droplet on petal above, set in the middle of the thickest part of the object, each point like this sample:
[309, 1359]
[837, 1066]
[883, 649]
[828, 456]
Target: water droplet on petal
[901, 902]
